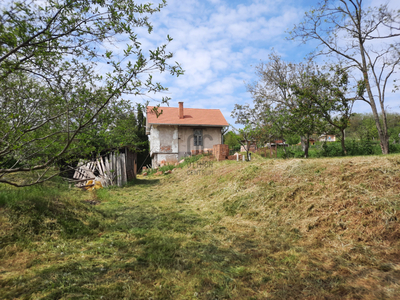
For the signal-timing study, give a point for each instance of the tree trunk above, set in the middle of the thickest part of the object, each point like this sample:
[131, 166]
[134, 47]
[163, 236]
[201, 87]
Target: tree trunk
[306, 146]
[382, 132]
[343, 143]
[384, 142]
[303, 143]
[247, 150]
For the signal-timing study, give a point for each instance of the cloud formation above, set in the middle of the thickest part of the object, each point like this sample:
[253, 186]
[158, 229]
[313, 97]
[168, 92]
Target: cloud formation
[219, 42]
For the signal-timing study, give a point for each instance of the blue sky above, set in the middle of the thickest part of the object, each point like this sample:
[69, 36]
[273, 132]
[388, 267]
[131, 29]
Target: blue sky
[219, 42]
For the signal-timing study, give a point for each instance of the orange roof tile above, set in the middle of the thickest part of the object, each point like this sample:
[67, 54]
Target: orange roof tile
[191, 116]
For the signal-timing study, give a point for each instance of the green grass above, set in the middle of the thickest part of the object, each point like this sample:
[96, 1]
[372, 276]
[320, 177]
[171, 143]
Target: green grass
[265, 229]
[187, 161]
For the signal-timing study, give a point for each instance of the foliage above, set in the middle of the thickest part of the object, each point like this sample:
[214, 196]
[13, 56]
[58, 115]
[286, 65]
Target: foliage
[363, 124]
[247, 136]
[60, 75]
[232, 140]
[364, 146]
[127, 129]
[292, 139]
[327, 95]
[279, 108]
[187, 161]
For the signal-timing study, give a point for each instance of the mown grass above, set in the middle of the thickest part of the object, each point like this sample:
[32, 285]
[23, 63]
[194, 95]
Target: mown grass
[265, 229]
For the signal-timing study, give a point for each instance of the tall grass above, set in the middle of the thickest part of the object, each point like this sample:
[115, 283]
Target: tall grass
[44, 212]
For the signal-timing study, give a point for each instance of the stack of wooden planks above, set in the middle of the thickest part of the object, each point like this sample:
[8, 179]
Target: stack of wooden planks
[108, 171]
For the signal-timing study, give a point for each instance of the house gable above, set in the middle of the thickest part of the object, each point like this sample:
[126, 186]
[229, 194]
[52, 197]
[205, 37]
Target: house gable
[177, 132]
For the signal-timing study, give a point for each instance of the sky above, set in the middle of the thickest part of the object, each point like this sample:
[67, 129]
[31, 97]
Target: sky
[219, 42]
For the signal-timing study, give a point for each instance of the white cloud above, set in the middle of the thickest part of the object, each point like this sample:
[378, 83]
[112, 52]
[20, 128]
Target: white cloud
[219, 42]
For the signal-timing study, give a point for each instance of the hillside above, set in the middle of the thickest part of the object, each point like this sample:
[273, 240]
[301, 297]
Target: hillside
[265, 229]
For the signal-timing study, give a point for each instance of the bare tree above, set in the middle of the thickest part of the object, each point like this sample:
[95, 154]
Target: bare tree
[364, 39]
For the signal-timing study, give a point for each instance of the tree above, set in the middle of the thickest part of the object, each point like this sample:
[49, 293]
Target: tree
[394, 126]
[59, 75]
[277, 107]
[328, 95]
[247, 136]
[366, 40]
[232, 140]
[292, 139]
[129, 130]
[363, 124]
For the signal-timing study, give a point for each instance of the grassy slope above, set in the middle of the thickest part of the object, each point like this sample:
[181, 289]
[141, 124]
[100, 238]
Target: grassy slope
[311, 229]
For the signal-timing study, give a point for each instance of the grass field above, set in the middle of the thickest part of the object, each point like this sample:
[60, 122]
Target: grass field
[265, 229]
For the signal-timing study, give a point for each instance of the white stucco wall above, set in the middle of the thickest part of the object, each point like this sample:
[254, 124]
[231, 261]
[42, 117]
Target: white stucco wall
[163, 144]
[171, 143]
[211, 137]
[154, 139]
[163, 139]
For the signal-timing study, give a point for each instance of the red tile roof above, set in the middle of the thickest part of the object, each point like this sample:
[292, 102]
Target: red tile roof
[191, 116]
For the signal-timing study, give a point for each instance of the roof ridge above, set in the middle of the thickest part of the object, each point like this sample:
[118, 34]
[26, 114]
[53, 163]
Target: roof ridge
[186, 107]
[193, 116]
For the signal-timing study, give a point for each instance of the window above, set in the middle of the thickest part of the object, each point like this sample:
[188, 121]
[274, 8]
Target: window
[198, 137]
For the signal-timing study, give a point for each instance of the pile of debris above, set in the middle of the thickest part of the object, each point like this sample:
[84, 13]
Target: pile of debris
[104, 171]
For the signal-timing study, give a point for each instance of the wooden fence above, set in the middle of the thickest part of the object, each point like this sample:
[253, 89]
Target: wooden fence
[116, 168]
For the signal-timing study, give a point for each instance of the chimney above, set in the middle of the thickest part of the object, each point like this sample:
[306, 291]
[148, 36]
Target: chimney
[180, 110]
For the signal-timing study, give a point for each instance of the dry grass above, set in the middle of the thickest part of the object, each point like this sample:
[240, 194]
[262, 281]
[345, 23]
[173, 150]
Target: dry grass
[268, 229]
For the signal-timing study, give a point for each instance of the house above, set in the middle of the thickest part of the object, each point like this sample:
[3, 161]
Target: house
[177, 132]
[276, 143]
[328, 138]
[310, 140]
[251, 146]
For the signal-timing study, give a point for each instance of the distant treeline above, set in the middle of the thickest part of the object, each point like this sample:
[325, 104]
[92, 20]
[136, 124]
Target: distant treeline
[333, 149]
[361, 138]
[363, 126]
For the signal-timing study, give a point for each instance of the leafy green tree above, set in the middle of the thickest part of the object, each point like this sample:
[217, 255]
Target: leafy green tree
[354, 124]
[394, 126]
[305, 120]
[277, 107]
[247, 136]
[292, 139]
[129, 130]
[232, 140]
[60, 76]
[362, 125]
[363, 38]
[328, 95]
